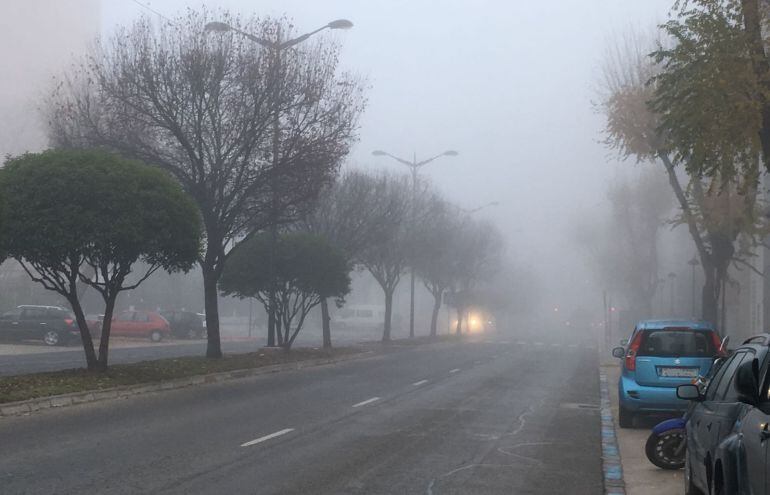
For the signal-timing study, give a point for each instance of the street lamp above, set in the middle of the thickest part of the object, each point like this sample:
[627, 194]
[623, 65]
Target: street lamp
[276, 47]
[693, 263]
[414, 166]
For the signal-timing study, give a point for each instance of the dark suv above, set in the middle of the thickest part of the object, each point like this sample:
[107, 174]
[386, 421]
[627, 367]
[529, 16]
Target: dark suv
[185, 324]
[51, 324]
[727, 429]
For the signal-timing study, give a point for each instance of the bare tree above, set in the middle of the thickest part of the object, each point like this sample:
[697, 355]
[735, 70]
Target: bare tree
[204, 107]
[352, 214]
[386, 260]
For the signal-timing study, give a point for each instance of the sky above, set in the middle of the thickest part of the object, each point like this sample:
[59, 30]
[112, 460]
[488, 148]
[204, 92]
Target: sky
[508, 84]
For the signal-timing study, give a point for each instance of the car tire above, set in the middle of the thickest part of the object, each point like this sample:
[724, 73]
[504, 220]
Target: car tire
[625, 418]
[156, 336]
[53, 338]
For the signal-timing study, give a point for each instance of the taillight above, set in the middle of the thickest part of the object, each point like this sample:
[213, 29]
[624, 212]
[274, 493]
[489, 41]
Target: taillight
[69, 321]
[717, 344]
[633, 348]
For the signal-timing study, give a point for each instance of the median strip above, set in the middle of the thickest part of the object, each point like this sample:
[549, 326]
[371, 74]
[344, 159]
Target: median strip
[367, 401]
[267, 437]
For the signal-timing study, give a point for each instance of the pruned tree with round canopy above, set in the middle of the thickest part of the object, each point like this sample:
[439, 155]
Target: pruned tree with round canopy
[307, 270]
[93, 217]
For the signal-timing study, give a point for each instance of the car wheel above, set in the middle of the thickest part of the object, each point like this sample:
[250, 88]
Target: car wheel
[156, 336]
[52, 338]
[689, 486]
[625, 418]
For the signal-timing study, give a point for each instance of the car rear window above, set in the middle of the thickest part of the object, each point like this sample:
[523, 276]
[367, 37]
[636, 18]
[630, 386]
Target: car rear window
[677, 343]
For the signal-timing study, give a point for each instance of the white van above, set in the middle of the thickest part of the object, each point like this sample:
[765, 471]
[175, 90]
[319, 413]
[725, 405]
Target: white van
[359, 316]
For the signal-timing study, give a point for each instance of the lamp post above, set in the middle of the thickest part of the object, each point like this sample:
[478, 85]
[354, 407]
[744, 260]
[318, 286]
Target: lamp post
[414, 166]
[693, 263]
[276, 47]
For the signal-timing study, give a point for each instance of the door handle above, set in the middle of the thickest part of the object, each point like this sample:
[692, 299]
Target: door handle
[43, 323]
[14, 323]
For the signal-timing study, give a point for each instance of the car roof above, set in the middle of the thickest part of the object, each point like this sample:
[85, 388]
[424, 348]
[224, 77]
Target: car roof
[22, 306]
[660, 324]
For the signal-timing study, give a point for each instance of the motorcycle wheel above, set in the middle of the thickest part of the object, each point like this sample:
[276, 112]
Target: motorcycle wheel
[664, 450]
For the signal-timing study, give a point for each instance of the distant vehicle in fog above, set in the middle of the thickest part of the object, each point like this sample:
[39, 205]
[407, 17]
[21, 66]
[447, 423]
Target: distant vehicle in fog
[364, 316]
[185, 324]
[143, 324]
[51, 324]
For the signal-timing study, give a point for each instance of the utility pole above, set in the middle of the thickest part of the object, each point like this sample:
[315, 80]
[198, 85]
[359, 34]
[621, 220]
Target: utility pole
[693, 263]
[414, 166]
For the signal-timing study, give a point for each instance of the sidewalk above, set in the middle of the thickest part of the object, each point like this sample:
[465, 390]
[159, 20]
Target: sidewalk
[640, 475]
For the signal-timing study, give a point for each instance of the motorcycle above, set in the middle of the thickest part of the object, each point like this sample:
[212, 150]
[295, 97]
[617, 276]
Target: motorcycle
[667, 444]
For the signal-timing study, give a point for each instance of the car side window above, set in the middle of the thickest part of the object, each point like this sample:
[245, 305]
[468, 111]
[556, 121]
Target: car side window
[12, 315]
[141, 317]
[731, 394]
[128, 316]
[33, 314]
[727, 379]
[714, 383]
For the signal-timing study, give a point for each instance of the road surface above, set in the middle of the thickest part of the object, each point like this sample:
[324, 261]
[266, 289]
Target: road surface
[485, 417]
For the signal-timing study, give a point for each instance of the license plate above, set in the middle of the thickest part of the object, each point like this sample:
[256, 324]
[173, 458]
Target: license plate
[678, 372]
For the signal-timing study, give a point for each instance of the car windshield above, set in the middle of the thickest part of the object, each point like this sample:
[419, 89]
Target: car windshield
[676, 343]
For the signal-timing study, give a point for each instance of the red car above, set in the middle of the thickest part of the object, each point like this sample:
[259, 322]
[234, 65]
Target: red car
[147, 324]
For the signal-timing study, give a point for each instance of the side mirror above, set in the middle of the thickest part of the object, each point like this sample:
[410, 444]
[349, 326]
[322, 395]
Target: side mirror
[619, 352]
[689, 392]
[746, 382]
[623, 342]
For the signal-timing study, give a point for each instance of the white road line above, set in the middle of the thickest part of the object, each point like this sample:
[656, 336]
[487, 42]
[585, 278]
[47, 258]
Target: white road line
[521, 342]
[454, 370]
[573, 345]
[555, 345]
[504, 342]
[539, 343]
[421, 382]
[367, 401]
[267, 437]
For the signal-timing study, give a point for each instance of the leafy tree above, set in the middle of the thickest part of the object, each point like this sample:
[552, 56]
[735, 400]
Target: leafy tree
[252, 137]
[307, 270]
[721, 211]
[93, 217]
[352, 214]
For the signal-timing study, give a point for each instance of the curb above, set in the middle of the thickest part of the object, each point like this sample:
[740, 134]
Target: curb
[66, 400]
[612, 469]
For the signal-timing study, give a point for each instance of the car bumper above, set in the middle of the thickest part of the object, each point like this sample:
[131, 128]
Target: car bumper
[638, 398]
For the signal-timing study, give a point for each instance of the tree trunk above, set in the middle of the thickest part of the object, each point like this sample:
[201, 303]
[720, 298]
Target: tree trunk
[388, 315]
[459, 327]
[211, 302]
[326, 323]
[271, 320]
[752, 25]
[104, 342]
[434, 315]
[710, 296]
[85, 332]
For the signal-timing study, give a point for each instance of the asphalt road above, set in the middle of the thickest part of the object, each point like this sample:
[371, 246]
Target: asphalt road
[486, 417]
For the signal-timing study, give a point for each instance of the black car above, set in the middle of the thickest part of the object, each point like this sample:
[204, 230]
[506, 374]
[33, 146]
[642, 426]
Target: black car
[727, 430]
[51, 324]
[185, 324]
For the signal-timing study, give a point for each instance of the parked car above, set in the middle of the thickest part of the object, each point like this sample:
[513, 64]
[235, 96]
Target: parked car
[146, 324]
[727, 434]
[185, 324]
[51, 324]
[363, 316]
[661, 355]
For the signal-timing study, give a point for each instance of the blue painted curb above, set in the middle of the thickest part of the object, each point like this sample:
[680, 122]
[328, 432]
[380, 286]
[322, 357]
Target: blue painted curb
[612, 470]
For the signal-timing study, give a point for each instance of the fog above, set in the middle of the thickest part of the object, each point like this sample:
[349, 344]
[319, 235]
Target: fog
[509, 85]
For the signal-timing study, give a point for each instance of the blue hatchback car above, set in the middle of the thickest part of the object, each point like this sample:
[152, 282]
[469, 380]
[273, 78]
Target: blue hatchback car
[661, 355]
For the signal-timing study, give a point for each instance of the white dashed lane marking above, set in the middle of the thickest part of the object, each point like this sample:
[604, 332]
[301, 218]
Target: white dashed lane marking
[267, 437]
[367, 401]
